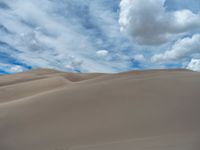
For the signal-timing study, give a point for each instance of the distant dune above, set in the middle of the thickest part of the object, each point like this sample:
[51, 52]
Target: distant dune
[45, 109]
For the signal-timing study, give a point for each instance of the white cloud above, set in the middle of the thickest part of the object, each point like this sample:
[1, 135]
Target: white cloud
[183, 48]
[11, 68]
[147, 22]
[74, 64]
[194, 65]
[67, 35]
[139, 57]
[49, 33]
[102, 53]
[15, 69]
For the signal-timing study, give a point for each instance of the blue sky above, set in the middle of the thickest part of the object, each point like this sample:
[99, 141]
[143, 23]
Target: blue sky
[99, 35]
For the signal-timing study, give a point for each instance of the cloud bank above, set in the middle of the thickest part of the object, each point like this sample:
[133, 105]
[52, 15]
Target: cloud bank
[148, 22]
[170, 29]
[188, 47]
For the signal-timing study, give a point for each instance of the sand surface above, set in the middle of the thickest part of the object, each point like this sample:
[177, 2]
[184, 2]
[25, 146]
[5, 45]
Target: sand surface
[140, 110]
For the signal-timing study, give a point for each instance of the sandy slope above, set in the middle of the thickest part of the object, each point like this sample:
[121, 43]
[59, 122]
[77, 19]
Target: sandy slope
[139, 110]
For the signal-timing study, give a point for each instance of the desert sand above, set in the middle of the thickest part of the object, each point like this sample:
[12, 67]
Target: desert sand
[45, 109]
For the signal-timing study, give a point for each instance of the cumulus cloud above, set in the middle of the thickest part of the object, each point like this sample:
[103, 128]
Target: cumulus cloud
[188, 47]
[194, 65]
[102, 53]
[149, 23]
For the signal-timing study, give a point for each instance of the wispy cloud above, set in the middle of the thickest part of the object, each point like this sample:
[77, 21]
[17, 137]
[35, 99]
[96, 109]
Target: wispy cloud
[62, 34]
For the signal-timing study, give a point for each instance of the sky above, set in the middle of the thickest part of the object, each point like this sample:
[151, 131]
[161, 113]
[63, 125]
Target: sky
[99, 35]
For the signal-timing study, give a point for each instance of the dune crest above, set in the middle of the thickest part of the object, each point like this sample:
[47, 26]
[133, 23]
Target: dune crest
[46, 109]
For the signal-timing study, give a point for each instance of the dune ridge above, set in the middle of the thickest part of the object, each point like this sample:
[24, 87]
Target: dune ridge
[45, 109]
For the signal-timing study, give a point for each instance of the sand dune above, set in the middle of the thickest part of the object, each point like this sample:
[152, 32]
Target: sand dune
[140, 110]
